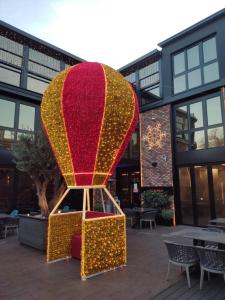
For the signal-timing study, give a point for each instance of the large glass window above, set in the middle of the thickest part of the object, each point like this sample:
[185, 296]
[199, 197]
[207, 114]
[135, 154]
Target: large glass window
[9, 75]
[190, 64]
[202, 194]
[186, 195]
[218, 172]
[199, 125]
[149, 79]
[36, 84]
[196, 115]
[7, 113]
[13, 127]
[214, 111]
[26, 117]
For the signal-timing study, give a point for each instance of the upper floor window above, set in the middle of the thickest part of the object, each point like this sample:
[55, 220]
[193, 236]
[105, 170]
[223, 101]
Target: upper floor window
[149, 75]
[11, 54]
[16, 119]
[131, 78]
[199, 125]
[195, 66]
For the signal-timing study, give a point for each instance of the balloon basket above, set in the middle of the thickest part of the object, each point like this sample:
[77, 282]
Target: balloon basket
[99, 238]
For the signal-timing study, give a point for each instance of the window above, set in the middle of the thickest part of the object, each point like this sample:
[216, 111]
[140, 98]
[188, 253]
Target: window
[36, 84]
[7, 113]
[26, 117]
[195, 66]
[214, 111]
[12, 127]
[10, 61]
[199, 125]
[42, 64]
[6, 138]
[131, 78]
[9, 75]
[149, 75]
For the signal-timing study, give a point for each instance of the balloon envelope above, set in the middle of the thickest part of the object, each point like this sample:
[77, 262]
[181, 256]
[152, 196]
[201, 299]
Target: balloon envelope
[89, 112]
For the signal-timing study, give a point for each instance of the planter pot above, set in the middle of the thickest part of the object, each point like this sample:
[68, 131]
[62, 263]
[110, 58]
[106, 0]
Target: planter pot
[167, 222]
[33, 231]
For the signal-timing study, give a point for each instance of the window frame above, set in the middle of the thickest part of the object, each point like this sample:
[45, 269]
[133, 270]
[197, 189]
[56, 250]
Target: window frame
[201, 65]
[16, 129]
[189, 131]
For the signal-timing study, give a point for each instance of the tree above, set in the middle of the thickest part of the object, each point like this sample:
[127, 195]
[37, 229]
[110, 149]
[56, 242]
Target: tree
[34, 156]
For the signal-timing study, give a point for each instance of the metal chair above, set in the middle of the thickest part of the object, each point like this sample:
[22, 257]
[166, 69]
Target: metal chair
[183, 256]
[11, 223]
[212, 229]
[212, 261]
[149, 217]
[131, 216]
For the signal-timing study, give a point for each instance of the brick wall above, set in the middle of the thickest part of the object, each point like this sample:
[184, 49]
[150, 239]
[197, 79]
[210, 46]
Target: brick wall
[156, 155]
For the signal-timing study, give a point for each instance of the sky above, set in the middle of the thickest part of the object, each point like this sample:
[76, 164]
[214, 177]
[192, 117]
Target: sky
[114, 32]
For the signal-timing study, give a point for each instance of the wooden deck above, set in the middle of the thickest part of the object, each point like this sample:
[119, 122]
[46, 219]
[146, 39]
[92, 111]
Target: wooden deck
[212, 290]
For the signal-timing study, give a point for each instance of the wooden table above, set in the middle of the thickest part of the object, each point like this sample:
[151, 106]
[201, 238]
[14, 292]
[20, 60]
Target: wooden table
[197, 234]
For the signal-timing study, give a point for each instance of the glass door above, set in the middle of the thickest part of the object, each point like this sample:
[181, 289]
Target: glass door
[218, 174]
[186, 207]
[202, 195]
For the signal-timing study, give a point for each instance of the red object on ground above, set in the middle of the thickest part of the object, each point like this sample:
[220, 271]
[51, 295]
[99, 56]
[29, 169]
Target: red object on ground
[76, 246]
[76, 238]
[97, 214]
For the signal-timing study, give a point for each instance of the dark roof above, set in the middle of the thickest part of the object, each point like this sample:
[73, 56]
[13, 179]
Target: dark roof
[32, 40]
[140, 62]
[194, 27]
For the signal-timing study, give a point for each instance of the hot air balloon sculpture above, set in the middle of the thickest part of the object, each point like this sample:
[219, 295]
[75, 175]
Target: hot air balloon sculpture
[89, 112]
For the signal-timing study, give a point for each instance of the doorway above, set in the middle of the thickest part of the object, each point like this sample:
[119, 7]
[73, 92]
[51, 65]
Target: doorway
[201, 193]
[128, 186]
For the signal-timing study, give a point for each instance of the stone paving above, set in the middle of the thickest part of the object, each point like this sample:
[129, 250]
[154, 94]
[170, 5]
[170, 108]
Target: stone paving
[25, 275]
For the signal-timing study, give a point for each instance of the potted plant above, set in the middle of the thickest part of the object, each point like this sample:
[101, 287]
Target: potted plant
[157, 200]
[34, 156]
[167, 216]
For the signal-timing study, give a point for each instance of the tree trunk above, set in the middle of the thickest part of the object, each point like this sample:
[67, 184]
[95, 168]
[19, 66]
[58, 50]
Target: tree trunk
[57, 195]
[42, 200]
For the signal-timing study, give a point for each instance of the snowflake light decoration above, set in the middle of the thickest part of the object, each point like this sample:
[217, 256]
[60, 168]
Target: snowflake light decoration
[154, 136]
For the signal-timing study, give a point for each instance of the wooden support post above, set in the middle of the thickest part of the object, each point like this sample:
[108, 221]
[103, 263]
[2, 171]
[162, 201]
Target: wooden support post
[113, 201]
[60, 201]
[88, 200]
[84, 203]
[102, 198]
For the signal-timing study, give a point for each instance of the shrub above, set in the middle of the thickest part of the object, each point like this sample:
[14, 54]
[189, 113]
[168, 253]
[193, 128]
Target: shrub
[155, 199]
[167, 214]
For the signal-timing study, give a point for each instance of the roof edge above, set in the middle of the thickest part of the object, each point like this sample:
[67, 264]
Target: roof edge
[155, 51]
[197, 25]
[40, 41]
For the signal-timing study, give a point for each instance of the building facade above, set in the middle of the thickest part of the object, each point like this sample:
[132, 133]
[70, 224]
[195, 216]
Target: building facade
[178, 145]
[182, 144]
[27, 65]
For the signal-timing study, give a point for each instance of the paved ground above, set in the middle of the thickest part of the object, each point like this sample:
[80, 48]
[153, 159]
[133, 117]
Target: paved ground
[212, 290]
[24, 274]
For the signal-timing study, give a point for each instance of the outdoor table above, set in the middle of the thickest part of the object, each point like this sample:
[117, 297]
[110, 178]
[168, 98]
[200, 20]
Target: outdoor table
[197, 234]
[218, 221]
[4, 216]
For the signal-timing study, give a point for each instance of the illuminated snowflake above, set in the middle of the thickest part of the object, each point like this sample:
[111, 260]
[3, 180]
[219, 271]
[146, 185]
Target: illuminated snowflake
[154, 136]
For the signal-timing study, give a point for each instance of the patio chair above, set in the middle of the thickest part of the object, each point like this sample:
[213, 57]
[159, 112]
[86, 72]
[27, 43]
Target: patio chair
[183, 256]
[14, 213]
[66, 208]
[11, 224]
[149, 217]
[131, 216]
[212, 229]
[212, 261]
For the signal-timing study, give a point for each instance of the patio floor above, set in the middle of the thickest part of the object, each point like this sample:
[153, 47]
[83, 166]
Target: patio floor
[26, 275]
